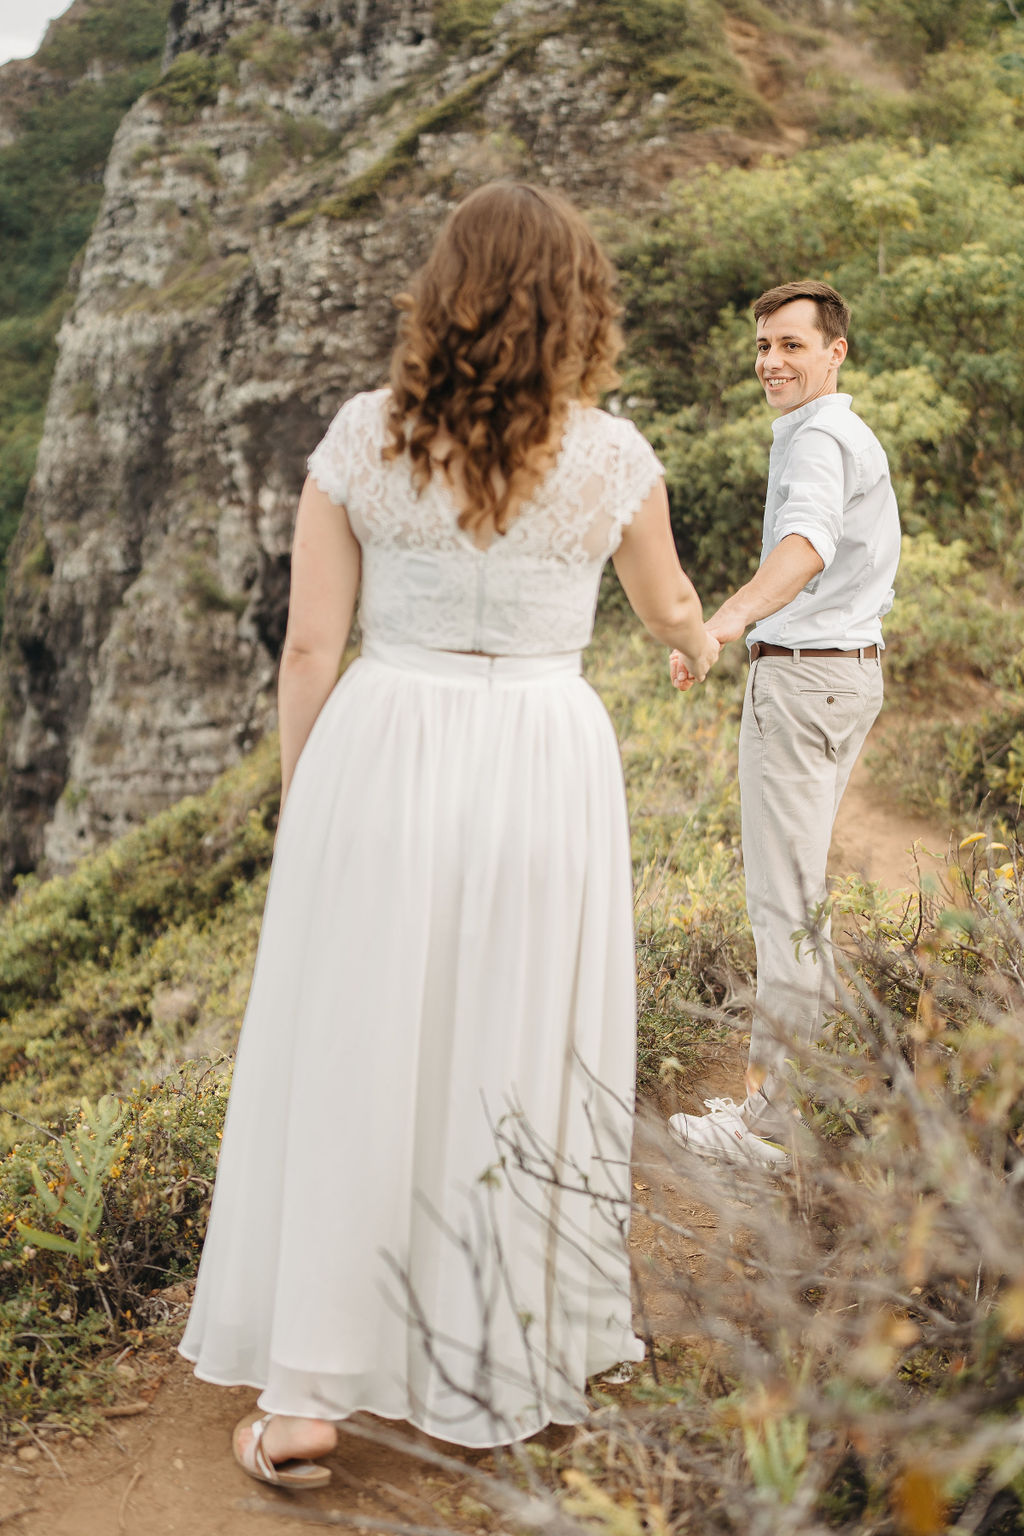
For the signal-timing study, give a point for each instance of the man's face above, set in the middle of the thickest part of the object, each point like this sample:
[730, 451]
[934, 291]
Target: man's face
[795, 363]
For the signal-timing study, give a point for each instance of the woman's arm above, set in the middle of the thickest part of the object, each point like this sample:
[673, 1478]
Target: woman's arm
[324, 582]
[659, 591]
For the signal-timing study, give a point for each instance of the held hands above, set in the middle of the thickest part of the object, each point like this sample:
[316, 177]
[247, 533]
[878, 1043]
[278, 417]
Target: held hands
[686, 670]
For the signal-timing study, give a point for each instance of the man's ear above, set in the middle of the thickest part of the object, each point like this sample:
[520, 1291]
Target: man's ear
[840, 347]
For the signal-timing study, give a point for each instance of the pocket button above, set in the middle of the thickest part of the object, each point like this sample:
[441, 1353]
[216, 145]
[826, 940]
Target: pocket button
[831, 699]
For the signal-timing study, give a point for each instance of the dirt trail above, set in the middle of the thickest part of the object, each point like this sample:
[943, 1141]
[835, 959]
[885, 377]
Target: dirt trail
[875, 838]
[168, 1472]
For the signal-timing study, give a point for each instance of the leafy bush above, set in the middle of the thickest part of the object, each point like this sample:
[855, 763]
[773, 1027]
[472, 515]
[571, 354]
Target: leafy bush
[985, 763]
[954, 664]
[65, 1305]
[944, 628]
[911, 29]
[106, 970]
[679, 47]
[105, 30]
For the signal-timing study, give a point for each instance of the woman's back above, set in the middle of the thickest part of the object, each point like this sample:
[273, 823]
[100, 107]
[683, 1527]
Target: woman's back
[531, 591]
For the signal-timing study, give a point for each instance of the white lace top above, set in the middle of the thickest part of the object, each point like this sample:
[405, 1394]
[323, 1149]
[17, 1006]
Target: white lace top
[532, 590]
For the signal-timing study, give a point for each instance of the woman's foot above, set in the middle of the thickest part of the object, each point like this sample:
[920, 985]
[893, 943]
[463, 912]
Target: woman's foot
[282, 1450]
[291, 1439]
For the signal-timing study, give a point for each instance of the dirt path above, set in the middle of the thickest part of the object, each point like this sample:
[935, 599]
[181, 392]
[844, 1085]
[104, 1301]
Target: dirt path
[168, 1471]
[875, 838]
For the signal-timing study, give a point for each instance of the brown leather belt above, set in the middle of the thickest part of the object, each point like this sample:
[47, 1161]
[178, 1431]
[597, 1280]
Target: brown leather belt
[865, 653]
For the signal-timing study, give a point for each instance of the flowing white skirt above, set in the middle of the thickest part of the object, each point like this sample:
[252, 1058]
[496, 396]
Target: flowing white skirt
[421, 1204]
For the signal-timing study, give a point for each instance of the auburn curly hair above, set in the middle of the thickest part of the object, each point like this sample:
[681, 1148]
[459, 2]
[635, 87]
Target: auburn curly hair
[513, 315]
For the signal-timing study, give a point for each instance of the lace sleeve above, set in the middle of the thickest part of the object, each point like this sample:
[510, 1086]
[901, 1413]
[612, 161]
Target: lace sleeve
[331, 459]
[639, 470]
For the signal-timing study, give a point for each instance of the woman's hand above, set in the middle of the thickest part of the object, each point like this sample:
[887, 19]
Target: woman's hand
[685, 670]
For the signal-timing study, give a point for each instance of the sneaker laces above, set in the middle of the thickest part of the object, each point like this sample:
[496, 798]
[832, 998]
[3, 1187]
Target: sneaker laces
[720, 1106]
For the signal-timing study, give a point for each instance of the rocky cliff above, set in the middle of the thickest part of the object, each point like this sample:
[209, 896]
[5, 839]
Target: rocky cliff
[262, 204]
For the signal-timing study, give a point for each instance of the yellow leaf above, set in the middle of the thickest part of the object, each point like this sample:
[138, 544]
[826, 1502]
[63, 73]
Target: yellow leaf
[915, 1253]
[975, 837]
[902, 1332]
[756, 1075]
[872, 1360]
[592, 1503]
[920, 1504]
[1011, 1311]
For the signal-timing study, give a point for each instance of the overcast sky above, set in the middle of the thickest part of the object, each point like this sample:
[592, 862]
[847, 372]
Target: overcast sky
[22, 24]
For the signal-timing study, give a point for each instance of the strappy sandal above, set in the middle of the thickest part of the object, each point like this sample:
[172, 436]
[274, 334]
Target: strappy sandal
[253, 1459]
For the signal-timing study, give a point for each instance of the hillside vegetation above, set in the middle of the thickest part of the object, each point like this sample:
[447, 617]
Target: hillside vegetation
[93, 64]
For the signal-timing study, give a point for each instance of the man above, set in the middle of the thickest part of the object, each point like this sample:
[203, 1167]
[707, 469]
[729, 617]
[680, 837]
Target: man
[829, 553]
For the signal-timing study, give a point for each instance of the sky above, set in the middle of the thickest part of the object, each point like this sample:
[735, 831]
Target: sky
[22, 24]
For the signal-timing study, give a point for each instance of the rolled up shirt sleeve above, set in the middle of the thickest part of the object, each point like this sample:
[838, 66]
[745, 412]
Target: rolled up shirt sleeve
[814, 494]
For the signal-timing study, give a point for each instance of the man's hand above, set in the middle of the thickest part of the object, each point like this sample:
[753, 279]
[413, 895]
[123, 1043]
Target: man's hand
[726, 626]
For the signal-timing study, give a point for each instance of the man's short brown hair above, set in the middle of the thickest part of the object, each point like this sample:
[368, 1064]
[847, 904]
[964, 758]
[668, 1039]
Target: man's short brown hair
[833, 310]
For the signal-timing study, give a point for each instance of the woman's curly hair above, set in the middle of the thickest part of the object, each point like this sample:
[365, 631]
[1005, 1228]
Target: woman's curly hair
[513, 315]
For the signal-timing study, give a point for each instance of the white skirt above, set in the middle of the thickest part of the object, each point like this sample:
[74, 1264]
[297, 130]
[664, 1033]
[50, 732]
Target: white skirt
[422, 1200]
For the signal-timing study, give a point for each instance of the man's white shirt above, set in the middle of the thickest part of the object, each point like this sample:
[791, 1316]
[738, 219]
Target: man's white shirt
[828, 479]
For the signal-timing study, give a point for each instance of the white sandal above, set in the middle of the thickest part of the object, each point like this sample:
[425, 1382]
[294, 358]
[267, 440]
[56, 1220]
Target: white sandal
[253, 1459]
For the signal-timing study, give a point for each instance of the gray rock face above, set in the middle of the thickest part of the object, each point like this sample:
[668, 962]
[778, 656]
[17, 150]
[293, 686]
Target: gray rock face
[219, 321]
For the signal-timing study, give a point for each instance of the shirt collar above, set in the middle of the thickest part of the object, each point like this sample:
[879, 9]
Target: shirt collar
[782, 426]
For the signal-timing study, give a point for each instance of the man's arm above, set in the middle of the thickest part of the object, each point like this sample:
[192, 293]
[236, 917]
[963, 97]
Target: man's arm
[813, 514]
[786, 571]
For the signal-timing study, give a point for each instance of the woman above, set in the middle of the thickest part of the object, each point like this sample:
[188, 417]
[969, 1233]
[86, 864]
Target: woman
[422, 1197]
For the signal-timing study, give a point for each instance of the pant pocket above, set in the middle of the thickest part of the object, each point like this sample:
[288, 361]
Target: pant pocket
[759, 697]
[842, 714]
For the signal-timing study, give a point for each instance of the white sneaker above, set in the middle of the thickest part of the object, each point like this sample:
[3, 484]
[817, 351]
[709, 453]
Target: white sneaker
[724, 1134]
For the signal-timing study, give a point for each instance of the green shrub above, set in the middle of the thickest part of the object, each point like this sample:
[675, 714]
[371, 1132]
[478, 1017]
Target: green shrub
[944, 628]
[110, 31]
[912, 29]
[192, 82]
[954, 665]
[985, 763]
[65, 1308]
[201, 162]
[272, 53]
[88, 962]
[469, 22]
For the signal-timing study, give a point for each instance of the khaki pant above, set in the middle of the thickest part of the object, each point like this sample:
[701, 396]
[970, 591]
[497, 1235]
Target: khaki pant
[804, 723]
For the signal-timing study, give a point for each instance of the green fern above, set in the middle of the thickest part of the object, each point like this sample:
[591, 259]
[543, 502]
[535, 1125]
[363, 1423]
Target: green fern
[777, 1454]
[77, 1202]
